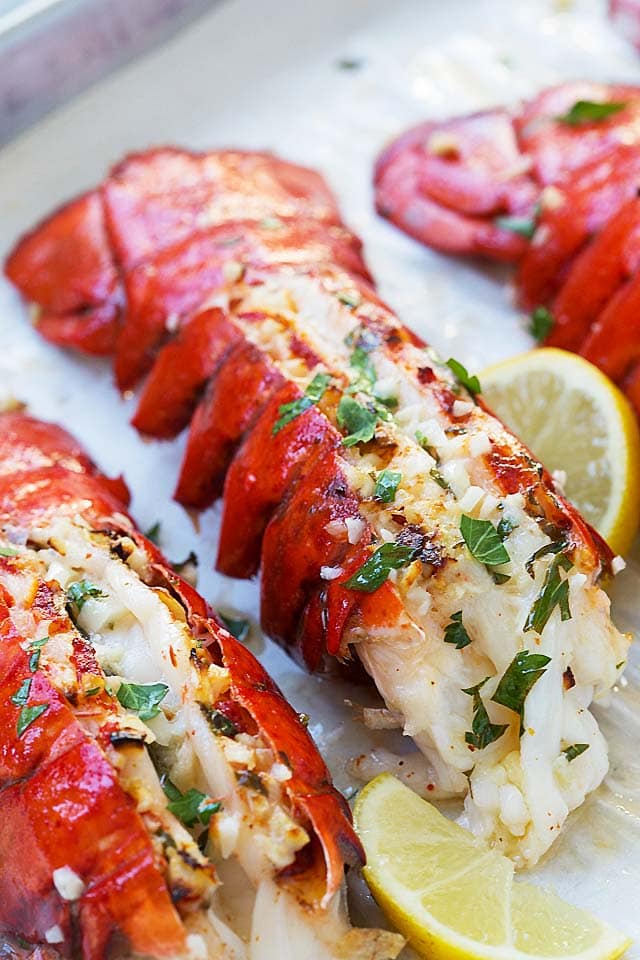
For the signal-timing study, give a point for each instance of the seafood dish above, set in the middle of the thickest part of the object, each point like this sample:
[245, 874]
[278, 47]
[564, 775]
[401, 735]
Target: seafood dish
[551, 186]
[158, 795]
[395, 521]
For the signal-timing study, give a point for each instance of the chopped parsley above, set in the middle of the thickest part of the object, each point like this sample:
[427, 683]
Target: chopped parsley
[375, 571]
[35, 648]
[464, 378]
[21, 695]
[587, 111]
[523, 226]
[423, 441]
[29, 715]
[483, 541]
[350, 298]
[522, 673]
[554, 593]
[506, 525]
[556, 546]
[359, 421]
[190, 807]
[153, 533]
[251, 779]
[437, 477]
[482, 732]
[238, 627]
[8, 552]
[575, 750]
[455, 632]
[312, 395]
[387, 483]
[220, 723]
[541, 323]
[78, 593]
[143, 698]
[360, 361]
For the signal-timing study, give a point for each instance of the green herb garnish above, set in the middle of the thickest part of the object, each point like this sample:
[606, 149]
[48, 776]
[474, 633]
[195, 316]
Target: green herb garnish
[248, 778]
[455, 632]
[143, 698]
[472, 384]
[541, 323]
[29, 715]
[482, 732]
[436, 476]
[375, 571]
[312, 395]
[556, 546]
[189, 807]
[587, 111]
[153, 533]
[360, 361]
[423, 442]
[351, 299]
[483, 541]
[359, 421]
[35, 648]
[554, 593]
[575, 750]
[498, 578]
[221, 723]
[8, 552]
[79, 593]
[506, 525]
[518, 679]
[21, 695]
[387, 483]
[237, 626]
[523, 226]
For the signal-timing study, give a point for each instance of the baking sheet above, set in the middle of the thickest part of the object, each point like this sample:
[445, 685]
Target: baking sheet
[326, 84]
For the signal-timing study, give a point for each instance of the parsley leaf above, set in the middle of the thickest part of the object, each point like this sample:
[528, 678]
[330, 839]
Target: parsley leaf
[375, 571]
[251, 779]
[423, 441]
[518, 679]
[78, 593]
[28, 715]
[312, 395]
[541, 323]
[483, 541]
[189, 807]
[153, 533]
[455, 632]
[350, 298]
[482, 732]
[523, 226]
[143, 699]
[436, 476]
[575, 750]
[8, 552]
[220, 722]
[387, 483]
[555, 592]
[357, 420]
[361, 362]
[587, 111]
[21, 695]
[472, 384]
[237, 626]
[505, 526]
[555, 546]
[35, 648]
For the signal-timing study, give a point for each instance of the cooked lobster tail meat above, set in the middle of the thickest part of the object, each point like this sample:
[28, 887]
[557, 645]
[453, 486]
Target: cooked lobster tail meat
[396, 521]
[145, 755]
[559, 176]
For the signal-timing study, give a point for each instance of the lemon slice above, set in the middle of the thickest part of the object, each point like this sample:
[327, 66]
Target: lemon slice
[575, 420]
[454, 898]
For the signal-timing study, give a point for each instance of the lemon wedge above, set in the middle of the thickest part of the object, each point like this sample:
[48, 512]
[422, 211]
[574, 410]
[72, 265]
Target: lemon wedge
[456, 899]
[576, 421]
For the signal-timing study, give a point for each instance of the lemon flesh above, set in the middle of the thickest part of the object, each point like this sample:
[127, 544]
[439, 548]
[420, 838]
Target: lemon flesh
[456, 899]
[575, 420]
